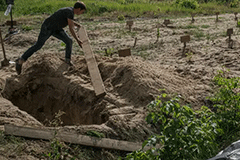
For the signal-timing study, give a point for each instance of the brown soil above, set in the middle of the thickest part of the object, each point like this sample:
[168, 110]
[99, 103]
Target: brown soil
[47, 85]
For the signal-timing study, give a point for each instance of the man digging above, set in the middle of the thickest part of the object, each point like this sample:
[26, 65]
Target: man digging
[53, 26]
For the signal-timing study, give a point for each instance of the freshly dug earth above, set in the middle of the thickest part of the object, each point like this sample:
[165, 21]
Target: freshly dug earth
[49, 89]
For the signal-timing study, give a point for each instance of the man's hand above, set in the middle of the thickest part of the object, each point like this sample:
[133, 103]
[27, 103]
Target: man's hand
[79, 42]
[77, 24]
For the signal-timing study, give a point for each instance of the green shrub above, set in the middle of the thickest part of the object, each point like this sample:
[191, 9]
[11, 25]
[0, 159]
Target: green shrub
[227, 101]
[187, 134]
[183, 133]
[3, 5]
[234, 4]
[191, 4]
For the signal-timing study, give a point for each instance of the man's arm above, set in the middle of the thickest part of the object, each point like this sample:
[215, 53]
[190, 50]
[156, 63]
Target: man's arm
[71, 25]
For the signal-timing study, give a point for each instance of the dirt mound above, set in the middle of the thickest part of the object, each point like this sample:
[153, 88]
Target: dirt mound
[22, 40]
[48, 85]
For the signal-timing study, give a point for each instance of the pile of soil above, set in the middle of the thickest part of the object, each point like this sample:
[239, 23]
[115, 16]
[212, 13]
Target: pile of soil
[49, 89]
[48, 85]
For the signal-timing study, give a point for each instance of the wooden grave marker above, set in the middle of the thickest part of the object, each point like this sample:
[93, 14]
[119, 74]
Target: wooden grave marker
[166, 22]
[9, 23]
[124, 52]
[70, 137]
[230, 41]
[184, 40]
[193, 15]
[217, 13]
[135, 42]
[236, 18]
[130, 24]
[94, 72]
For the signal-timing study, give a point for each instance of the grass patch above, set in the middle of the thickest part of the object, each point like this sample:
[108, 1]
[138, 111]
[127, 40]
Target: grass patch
[117, 8]
[205, 26]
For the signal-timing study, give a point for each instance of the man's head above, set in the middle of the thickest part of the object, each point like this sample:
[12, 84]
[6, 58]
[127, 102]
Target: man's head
[79, 8]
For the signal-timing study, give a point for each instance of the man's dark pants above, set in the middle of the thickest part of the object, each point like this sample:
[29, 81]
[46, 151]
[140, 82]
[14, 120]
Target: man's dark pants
[45, 33]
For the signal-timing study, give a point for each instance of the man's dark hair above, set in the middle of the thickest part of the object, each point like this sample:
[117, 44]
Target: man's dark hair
[80, 5]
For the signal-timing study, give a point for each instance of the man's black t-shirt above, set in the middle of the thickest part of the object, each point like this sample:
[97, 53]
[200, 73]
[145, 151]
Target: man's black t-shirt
[59, 19]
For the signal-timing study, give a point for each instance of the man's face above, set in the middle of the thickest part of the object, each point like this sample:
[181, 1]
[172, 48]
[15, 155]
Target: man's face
[79, 11]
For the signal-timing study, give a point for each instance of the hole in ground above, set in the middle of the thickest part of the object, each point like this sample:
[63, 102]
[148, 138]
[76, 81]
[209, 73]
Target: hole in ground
[44, 97]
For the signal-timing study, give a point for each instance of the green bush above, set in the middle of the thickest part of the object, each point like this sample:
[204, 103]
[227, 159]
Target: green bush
[3, 5]
[183, 133]
[226, 102]
[187, 134]
[234, 4]
[191, 4]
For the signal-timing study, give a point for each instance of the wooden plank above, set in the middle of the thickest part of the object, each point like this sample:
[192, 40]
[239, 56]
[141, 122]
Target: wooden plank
[28, 132]
[185, 38]
[43, 133]
[229, 31]
[9, 23]
[129, 23]
[124, 52]
[94, 72]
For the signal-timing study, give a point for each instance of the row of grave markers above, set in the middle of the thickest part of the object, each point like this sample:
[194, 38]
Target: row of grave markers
[167, 21]
[184, 39]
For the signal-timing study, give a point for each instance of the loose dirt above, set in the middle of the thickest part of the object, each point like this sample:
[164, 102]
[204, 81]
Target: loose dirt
[47, 85]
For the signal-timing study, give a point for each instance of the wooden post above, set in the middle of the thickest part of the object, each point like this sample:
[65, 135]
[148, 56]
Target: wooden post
[130, 24]
[5, 62]
[236, 18]
[184, 40]
[166, 22]
[217, 13]
[135, 42]
[193, 14]
[230, 41]
[94, 72]
[124, 52]
[46, 134]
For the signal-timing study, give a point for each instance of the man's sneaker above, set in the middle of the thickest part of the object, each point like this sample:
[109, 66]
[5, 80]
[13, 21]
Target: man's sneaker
[68, 61]
[18, 66]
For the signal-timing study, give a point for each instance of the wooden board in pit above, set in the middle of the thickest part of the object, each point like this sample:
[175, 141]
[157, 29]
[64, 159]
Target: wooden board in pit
[96, 78]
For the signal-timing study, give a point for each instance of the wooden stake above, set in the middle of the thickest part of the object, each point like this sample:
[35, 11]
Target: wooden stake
[230, 41]
[184, 40]
[46, 134]
[95, 75]
[217, 13]
[236, 18]
[193, 14]
[166, 22]
[135, 42]
[130, 24]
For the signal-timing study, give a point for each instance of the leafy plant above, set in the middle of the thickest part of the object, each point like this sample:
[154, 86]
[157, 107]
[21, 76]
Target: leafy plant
[184, 133]
[189, 56]
[238, 23]
[226, 101]
[95, 134]
[27, 27]
[121, 17]
[191, 4]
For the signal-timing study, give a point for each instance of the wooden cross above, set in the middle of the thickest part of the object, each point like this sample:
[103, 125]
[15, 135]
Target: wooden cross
[230, 41]
[130, 24]
[184, 40]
